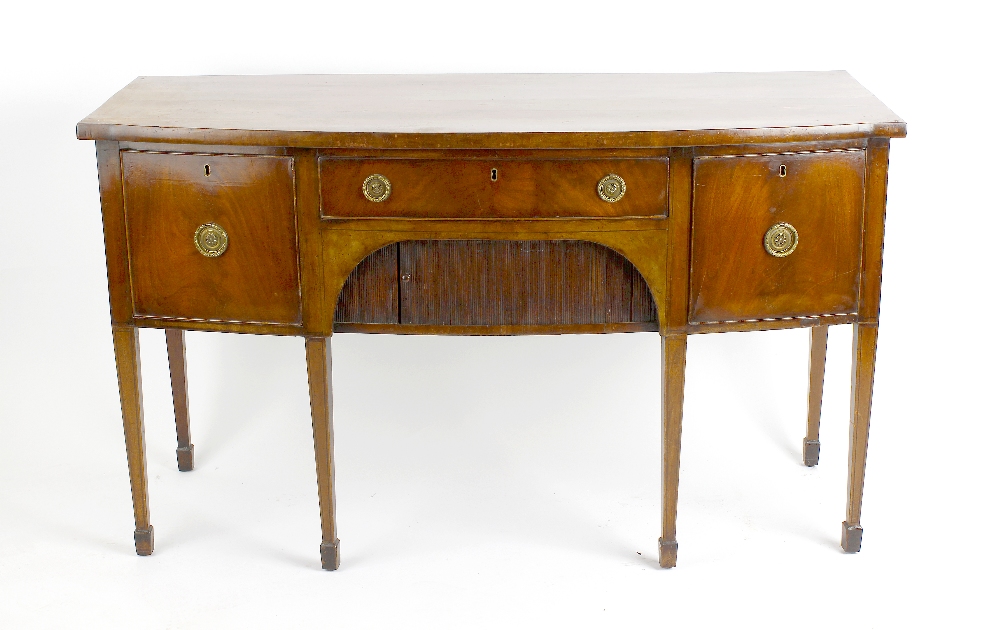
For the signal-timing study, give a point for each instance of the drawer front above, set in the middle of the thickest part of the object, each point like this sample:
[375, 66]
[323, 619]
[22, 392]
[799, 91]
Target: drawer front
[737, 202]
[484, 188]
[169, 196]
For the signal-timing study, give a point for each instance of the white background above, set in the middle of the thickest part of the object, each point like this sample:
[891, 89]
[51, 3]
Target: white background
[500, 482]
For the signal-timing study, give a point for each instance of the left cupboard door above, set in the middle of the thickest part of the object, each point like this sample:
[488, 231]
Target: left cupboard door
[212, 237]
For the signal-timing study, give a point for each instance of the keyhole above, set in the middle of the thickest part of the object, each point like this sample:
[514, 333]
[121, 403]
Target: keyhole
[208, 170]
[782, 171]
[493, 174]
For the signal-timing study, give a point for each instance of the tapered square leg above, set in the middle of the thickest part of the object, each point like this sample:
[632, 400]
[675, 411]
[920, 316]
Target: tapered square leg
[865, 337]
[817, 369]
[178, 386]
[318, 366]
[126, 340]
[673, 354]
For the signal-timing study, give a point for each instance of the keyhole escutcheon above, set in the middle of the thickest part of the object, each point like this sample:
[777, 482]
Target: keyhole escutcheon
[493, 174]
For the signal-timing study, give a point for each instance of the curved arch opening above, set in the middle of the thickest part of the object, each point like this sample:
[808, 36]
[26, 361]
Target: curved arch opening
[495, 287]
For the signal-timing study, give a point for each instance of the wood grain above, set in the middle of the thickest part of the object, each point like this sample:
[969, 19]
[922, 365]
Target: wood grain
[167, 196]
[253, 328]
[177, 363]
[279, 161]
[673, 352]
[786, 323]
[126, 341]
[877, 177]
[502, 286]
[318, 369]
[677, 254]
[309, 241]
[865, 340]
[862, 383]
[109, 170]
[456, 110]
[817, 371]
[371, 293]
[497, 330]
[737, 199]
[440, 188]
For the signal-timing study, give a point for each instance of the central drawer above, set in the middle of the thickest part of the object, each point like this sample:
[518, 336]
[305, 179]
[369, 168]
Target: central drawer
[492, 188]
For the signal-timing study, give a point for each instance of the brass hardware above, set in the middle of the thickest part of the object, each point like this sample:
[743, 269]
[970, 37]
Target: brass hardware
[211, 240]
[493, 174]
[376, 188]
[781, 240]
[611, 188]
[782, 171]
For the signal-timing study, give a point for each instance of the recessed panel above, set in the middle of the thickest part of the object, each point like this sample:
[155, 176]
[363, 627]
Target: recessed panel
[212, 237]
[776, 236]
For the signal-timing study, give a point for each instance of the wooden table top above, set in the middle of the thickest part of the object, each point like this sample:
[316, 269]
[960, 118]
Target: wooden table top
[492, 110]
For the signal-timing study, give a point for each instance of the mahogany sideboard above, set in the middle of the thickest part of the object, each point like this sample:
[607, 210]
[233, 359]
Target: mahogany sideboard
[496, 205]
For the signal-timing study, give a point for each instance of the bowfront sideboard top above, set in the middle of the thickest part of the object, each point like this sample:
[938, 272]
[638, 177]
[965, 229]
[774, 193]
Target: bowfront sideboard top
[493, 110]
[493, 204]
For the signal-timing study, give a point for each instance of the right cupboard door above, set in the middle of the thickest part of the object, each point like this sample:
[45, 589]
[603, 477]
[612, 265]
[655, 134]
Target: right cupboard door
[776, 236]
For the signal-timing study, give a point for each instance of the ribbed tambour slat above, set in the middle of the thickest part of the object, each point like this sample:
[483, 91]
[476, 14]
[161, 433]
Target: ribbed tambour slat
[643, 309]
[495, 283]
[371, 293]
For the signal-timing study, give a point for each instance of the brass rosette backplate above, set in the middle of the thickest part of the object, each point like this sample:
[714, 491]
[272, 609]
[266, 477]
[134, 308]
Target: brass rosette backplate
[211, 240]
[376, 188]
[781, 240]
[611, 188]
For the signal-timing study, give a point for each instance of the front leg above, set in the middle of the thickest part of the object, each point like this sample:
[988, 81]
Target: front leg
[126, 340]
[318, 367]
[865, 336]
[673, 352]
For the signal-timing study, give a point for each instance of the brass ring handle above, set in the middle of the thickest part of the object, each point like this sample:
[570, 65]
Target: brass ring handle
[211, 240]
[376, 188]
[611, 188]
[781, 240]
